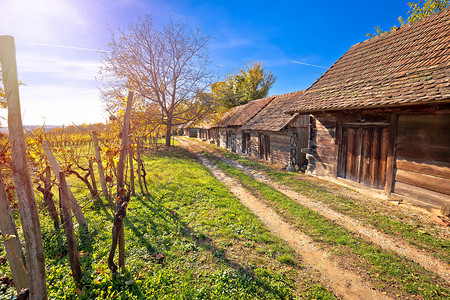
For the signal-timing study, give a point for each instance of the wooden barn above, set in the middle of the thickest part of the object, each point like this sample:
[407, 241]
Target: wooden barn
[275, 136]
[228, 129]
[380, 116]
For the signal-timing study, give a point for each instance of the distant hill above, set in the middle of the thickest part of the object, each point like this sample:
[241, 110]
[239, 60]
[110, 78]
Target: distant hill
[33, 127]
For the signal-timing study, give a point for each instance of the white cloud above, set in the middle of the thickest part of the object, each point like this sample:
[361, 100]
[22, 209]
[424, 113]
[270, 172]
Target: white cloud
[62, 68]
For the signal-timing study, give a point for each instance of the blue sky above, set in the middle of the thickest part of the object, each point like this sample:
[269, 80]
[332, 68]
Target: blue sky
[60, 81]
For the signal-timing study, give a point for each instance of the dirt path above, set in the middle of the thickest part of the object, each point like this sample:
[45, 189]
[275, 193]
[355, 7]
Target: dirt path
[366, 232]
[343, 282]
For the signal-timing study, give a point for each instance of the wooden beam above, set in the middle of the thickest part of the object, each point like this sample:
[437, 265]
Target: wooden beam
[101, 172]
[430, 182]
[13, 248]
[76, 209]
[21, 174]
[390, 164]
[68, 227]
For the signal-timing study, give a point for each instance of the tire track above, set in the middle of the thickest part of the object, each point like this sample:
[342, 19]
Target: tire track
[343, 282]
[365, 232]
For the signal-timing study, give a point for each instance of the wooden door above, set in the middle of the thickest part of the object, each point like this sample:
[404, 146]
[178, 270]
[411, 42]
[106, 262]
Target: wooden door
[246, 142]
[264, 146]
[233, 141]
[363, 156]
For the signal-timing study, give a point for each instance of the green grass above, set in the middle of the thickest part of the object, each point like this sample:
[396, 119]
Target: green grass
[386, 269]
[214, 248]
[392, 224]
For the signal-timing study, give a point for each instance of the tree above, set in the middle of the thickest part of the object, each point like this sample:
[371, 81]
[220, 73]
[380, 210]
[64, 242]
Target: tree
[417, 11]
[166, 65]
[243, 85]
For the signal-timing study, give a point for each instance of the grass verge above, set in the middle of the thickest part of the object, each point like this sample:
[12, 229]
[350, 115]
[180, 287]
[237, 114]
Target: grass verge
[392, 223]
[388, 271]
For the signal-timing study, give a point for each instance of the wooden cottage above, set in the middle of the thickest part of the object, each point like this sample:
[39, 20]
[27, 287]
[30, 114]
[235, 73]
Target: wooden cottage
[380, 116]
[275, 136]
[228, 130]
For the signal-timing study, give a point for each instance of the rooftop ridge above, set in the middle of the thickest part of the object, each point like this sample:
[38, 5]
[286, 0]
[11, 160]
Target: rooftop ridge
[406, 26]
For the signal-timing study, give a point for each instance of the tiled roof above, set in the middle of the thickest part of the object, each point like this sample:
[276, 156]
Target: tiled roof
[272, 117]
[410, 65]
[241, 114]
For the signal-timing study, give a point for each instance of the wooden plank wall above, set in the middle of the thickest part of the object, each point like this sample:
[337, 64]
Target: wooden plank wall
[323, 133]
[222, 137]
[423, 158]
[280, 148]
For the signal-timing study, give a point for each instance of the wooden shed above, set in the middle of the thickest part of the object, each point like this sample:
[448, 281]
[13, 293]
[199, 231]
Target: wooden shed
[275, 136]
[228, 129]
[380, 116]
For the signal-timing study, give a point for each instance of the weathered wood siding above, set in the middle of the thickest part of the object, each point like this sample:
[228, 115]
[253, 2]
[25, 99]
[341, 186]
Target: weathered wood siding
[280, 148]
[222, 134]
[323, 154]
[254, 146]
[423, 158]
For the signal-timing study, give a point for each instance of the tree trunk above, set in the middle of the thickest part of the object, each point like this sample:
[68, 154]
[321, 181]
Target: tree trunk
[27, 204]
[13, 248]
[101, 173]
[76, 209]
[68, 227]
[118, 231]
[168, 134]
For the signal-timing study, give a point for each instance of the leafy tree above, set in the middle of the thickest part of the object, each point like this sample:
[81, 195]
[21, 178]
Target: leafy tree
[243, 85]
[166, 66]
[417, 11]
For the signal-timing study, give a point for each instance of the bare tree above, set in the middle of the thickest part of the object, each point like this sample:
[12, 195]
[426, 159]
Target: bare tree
[167, 66]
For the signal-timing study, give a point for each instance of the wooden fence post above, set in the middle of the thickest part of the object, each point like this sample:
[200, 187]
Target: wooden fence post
[13, 248]
[48, 196]
[101, 172]
[133, 189]
[138, 150]
[92, 175]
[22, 179]
[68, 227]
[76, 209]
[118, 230]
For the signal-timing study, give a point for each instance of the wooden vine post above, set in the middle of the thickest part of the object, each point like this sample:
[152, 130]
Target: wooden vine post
[24, 188]
[133, 189]
[138, 150]
[122, 196]
[48, 196]
[92, 175]
[14, 252]
[68, 227]
[101, 173]
[76, 209]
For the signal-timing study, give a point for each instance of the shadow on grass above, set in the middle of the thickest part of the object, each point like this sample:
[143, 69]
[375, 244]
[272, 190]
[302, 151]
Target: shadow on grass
[203, 242]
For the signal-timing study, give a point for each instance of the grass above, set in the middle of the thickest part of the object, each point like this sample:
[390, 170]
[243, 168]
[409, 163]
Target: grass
[387, 270]
[389, 223]
[212, 246]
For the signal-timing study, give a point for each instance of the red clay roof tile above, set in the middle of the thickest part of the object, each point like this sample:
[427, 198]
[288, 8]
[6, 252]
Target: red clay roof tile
[383, 70]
